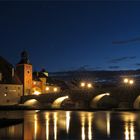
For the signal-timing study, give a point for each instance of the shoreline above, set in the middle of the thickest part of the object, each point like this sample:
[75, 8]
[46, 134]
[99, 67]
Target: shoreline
[27, 108]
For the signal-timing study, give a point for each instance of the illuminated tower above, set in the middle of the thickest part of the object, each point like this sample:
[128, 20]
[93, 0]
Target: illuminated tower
[24, 71]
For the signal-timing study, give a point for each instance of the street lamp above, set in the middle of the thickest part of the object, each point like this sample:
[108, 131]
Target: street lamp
[86, 85]
[125, 80]
[82, 84]
[89, 85]
[55, 89]
[131, 82]
[128, 81]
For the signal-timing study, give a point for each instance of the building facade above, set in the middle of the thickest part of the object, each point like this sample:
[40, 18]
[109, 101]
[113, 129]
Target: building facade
[11, 89]
[21, 81]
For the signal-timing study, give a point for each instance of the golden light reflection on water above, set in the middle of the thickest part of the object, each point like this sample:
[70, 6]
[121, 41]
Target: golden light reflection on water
[55, 126]
[89, 126]
[129, 129]
[83, 127]
[108, 123]
[47, 126]
[35, 127]
[86, 126]
[68, 114]
[126, 131]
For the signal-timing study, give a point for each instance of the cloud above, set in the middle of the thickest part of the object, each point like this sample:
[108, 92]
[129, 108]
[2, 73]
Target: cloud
[88, 67]
[96, 68]
[132, 57]
[125, 41]
[117, 60]
[137, 64]
[113, 67]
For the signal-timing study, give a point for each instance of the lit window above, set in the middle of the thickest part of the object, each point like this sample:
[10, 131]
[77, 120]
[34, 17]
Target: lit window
[47, 88]
[55, 89]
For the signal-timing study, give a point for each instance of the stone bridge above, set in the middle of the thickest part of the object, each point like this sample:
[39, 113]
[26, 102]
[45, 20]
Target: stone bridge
[97, 98]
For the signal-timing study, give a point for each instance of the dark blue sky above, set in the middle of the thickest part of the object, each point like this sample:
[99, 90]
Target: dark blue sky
[71, 35]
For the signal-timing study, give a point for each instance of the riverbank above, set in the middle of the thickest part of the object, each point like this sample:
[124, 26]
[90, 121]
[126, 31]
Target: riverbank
[22, 107]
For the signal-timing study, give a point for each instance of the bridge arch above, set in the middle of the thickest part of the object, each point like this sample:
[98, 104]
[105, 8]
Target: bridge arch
[136, 103]
[57, 103]
[97, 98]
[32, 103]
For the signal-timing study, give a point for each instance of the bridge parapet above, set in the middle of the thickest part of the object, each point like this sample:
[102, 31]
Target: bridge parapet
[42, 98]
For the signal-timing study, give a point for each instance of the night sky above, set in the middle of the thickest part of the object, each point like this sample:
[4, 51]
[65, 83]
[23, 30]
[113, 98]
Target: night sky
[70, 35]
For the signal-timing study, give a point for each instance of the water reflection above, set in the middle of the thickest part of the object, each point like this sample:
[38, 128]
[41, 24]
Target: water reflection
[86, 125]
[35, 127]
[55, 125]
[47, 126]
[129, 129]
[89, 126]
[69, 125]
[108, 123]
[68, 114]
[83, 126]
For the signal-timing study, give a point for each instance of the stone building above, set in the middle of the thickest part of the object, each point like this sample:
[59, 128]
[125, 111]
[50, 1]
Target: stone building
[42, 84]
[21, 81]
[11, 88]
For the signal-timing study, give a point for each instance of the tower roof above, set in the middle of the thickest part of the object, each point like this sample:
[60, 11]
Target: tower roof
[24, 58]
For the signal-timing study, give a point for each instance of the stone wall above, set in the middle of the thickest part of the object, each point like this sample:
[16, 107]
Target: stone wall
[10, 94]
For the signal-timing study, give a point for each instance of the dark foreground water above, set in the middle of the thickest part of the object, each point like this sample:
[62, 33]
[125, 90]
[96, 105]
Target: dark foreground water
[72, 125]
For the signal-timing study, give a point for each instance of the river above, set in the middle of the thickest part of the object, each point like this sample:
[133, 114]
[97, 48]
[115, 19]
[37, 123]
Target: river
[72, 125]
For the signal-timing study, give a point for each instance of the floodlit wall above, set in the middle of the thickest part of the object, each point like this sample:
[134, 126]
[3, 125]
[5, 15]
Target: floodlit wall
[43, 84]
[10, 94]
